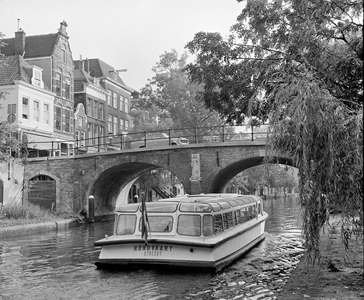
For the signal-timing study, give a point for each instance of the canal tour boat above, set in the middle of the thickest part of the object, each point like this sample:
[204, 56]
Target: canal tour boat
[206, 231]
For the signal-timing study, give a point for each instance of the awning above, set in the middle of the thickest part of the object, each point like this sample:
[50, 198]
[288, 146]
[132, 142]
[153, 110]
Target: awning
[40, 142]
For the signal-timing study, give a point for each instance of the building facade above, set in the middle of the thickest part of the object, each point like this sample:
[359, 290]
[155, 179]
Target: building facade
[51, 53]
[107, 102]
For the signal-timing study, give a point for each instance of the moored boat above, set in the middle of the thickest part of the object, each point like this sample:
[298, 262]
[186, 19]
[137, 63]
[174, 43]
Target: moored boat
[206, 231]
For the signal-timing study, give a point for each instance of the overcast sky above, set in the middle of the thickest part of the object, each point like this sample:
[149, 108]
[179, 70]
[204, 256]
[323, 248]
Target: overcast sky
[126, 34]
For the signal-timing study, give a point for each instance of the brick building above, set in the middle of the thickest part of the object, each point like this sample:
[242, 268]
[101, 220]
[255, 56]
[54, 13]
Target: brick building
[107, 99]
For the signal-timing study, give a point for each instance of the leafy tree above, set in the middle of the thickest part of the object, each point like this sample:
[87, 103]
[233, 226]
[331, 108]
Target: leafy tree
[300, 64]
[270, 176]
[171, 97]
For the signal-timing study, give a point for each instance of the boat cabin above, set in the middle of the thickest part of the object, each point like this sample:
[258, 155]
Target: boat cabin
[189, 216]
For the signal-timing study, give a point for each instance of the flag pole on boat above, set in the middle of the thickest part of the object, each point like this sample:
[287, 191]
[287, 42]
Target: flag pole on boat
[145, 223]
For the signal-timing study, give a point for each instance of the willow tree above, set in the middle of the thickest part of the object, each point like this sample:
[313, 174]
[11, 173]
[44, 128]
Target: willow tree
[298, 63]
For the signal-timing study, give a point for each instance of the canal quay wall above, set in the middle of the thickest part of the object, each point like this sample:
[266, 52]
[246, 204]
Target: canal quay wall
[20, 230]
[337, 275]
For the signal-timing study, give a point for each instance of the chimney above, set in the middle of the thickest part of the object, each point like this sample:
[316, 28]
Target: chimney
[62, 29]
[81, 63]
[19, 42]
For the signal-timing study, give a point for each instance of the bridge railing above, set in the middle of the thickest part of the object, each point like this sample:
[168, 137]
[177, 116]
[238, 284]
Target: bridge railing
[127, 140]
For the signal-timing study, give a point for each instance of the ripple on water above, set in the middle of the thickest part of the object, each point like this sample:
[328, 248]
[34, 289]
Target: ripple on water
[61, 266]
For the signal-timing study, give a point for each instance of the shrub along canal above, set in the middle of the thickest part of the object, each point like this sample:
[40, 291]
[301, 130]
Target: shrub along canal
[60, 265]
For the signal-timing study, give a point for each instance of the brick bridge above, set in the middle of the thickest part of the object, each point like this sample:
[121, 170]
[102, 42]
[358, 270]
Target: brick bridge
[108, 176]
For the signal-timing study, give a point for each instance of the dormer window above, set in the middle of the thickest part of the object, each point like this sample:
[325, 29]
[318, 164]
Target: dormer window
[37, 77]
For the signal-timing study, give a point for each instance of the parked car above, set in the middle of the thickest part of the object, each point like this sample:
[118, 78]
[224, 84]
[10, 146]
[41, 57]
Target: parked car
[157, 139]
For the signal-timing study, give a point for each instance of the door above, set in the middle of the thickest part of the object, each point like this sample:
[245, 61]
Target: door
[42, 192]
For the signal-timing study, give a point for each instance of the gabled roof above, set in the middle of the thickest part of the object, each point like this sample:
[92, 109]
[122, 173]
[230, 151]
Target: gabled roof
[80, 77]
[13, 68]
[99, 68]
[35, 46]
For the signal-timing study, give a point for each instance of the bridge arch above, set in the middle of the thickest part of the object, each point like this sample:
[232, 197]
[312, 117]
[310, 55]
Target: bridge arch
[221, 180]
[111, 187]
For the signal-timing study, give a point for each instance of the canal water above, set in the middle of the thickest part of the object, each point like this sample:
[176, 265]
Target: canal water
[60, 265]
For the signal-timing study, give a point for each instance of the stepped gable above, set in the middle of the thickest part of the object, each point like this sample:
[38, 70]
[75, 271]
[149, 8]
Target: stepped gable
[35, 46]
[13, 68]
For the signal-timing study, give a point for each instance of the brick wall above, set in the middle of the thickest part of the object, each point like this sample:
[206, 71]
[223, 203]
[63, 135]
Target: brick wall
[105, 175]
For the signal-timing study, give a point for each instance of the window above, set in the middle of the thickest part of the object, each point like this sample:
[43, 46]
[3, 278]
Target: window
[67, 119]
[109, 123]
[46, 113]
[95, 109]
[36, 111]
[96, 129]
[89, 107]
[25, 108]
[244, 214]
[64, 54]
[80, 121]
[58, 84]
[90, 140]
[67, 87]
[218, 227]
[126, 224]
[37, 77]
[189, 225]
[121, 125]
[122, 102]
[115, 125]
[208, 229]
[11, 113]
[83, 136]
[102, 133]
[58, 118]
[126, 103]
[126, 125]
[101, 111]
[158, 223]
[115, 100]
[109, 98]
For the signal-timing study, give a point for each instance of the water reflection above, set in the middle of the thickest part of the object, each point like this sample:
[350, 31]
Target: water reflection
[61, 266]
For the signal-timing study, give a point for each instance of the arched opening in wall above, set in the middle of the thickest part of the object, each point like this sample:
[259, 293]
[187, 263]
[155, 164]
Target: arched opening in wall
[154, 185]
[266, 180]
[42, 192]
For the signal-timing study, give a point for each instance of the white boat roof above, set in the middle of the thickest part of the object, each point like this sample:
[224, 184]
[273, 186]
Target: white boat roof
[229, 200]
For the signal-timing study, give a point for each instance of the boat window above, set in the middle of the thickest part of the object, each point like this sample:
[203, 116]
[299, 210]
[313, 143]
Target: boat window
[158, 223]
[224, 205]
[259, 208]
[161, 206]
[235, 218]
[126, 224]
[128, 207]
[233, 203]
[195, 207]
[244, 214]
[228, 220]
[218, 227]
[189, 225]
[240, 201]
[207, 225]
[215, 206]
[250, 212]
[239, 216]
